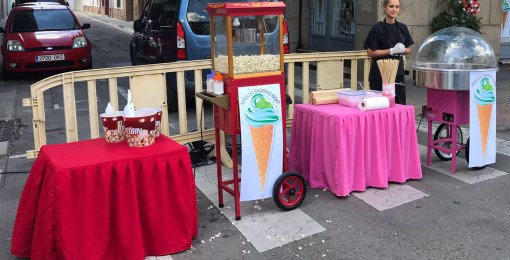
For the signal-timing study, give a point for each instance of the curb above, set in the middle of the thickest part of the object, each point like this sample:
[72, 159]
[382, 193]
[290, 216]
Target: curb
[113, 23]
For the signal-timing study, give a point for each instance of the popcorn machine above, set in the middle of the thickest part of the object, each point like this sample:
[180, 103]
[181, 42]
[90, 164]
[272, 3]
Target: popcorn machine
[247, 50]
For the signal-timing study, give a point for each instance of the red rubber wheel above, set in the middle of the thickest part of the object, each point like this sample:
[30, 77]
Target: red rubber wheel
[289, 191]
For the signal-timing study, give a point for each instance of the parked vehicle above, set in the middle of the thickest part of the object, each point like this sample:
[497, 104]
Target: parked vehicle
[44, 37]
[175, 30]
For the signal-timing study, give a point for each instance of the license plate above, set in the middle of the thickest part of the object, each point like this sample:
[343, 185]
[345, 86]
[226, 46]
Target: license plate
[53, 57]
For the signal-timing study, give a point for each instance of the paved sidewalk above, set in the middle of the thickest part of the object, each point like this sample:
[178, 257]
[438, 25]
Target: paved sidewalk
[124, 26]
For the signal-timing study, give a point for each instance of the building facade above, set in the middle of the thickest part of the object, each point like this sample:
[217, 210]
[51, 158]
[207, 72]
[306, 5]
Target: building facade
[342, 25]
[324, 25]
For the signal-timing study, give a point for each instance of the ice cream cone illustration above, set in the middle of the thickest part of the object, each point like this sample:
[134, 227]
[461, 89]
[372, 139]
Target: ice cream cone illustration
[484, 98]
[262, 137]
[261, 117]
[503, 20]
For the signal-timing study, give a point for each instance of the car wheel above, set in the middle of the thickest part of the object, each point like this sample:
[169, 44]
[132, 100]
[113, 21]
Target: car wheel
[90, 66]
[132, 55]
[5, 74]
[171, 92]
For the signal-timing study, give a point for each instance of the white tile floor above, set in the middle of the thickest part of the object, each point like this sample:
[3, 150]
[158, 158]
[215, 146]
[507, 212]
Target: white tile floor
[263, 224]
[394, 196]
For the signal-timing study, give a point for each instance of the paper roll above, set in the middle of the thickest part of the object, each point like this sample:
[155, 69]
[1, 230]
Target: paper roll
[373, 103]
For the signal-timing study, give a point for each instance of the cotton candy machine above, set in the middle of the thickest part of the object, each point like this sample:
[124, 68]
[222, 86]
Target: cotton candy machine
[446, 64]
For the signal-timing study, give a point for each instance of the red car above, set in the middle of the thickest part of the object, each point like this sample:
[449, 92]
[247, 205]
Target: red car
[44, 37]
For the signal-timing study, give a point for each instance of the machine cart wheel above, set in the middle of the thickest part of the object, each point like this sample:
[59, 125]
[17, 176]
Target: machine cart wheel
[443, 132]
[289, 190]
[467, 157]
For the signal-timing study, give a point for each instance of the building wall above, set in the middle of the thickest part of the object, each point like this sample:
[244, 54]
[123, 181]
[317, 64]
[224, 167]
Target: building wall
[416, 14]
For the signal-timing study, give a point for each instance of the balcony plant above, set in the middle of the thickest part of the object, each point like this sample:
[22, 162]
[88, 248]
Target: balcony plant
[460, 13]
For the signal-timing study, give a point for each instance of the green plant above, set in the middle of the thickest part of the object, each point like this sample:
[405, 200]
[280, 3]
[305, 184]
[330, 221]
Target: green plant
[455, 15]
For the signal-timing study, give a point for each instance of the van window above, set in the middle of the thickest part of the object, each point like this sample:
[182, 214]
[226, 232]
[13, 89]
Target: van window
[169, 15]
[198, 17]
[164, 12]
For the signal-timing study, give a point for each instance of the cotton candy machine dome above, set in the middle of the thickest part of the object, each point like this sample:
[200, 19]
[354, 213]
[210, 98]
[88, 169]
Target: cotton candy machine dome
[446, 58]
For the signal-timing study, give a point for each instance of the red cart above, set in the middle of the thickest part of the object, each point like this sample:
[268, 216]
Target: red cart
[247, 49]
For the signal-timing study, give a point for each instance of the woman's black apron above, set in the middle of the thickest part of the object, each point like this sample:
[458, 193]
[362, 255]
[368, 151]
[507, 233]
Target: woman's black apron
[392, 34]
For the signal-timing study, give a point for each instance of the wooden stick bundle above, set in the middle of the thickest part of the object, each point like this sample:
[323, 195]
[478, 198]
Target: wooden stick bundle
[388, 69]
[329, 96]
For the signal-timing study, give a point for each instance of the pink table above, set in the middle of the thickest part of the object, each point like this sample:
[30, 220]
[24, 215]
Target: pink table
[344, 149]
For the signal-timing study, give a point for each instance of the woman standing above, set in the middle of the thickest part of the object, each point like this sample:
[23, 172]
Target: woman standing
[389, 39]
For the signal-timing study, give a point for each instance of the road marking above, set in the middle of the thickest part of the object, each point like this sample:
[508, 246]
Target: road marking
[462, 173]
[18, 156]
[394, 196]
[164, 257]
[3, 147]
[262, 222]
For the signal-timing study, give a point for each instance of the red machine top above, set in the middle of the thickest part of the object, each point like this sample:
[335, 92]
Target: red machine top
[246, 8]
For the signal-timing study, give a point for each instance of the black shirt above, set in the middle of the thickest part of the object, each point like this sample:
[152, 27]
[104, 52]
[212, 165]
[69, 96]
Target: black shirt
[384, 36]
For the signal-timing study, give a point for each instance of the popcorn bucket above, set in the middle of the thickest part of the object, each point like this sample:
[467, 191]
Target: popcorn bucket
[140, 129]
[153, 110]
[113, 127]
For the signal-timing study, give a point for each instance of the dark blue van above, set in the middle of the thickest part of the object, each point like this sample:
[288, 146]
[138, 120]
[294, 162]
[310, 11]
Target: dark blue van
[174, 30]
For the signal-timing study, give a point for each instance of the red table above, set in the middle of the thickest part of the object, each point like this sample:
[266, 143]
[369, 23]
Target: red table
[344, 149]
[94, 200]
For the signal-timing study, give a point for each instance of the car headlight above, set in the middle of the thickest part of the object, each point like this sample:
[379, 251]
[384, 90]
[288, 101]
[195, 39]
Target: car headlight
[13, 45]
[79, 42]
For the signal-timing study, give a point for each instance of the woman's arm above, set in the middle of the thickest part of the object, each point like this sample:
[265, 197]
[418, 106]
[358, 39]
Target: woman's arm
[382, 53]
[378, 53]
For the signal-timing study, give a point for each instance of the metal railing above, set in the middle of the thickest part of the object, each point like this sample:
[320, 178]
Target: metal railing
[146, 78]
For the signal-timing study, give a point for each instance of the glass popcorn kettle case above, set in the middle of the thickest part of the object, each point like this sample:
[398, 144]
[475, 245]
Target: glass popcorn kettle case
[246, 38]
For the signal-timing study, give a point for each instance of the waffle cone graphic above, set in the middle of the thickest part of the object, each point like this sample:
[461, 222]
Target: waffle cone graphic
[484, 117]
[262, 137]
[503, 20]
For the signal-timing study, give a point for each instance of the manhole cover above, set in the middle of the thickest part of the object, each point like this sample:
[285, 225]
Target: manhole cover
[6, 130]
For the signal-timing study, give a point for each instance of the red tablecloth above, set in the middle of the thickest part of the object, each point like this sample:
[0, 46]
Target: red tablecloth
[345, 149]
[93, 200]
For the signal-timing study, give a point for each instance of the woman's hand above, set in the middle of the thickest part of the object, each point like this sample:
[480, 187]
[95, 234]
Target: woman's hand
[398, 49]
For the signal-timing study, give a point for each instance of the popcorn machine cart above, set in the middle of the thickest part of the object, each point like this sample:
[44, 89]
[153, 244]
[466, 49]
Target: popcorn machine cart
[247, 49]
[458, 68]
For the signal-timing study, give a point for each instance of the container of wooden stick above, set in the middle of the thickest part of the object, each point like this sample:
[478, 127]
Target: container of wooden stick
[388, 69]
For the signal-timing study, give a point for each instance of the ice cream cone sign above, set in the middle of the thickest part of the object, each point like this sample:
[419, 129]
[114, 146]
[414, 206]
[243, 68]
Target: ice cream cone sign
[482, 120]
[261, 140]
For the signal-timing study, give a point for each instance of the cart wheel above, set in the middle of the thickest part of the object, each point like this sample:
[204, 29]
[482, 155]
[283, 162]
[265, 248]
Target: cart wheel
[443, 131]
[289, 191]
[466, 151]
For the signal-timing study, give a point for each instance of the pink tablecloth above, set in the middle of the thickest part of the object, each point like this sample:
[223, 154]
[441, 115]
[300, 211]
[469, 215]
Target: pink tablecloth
[344, 149]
